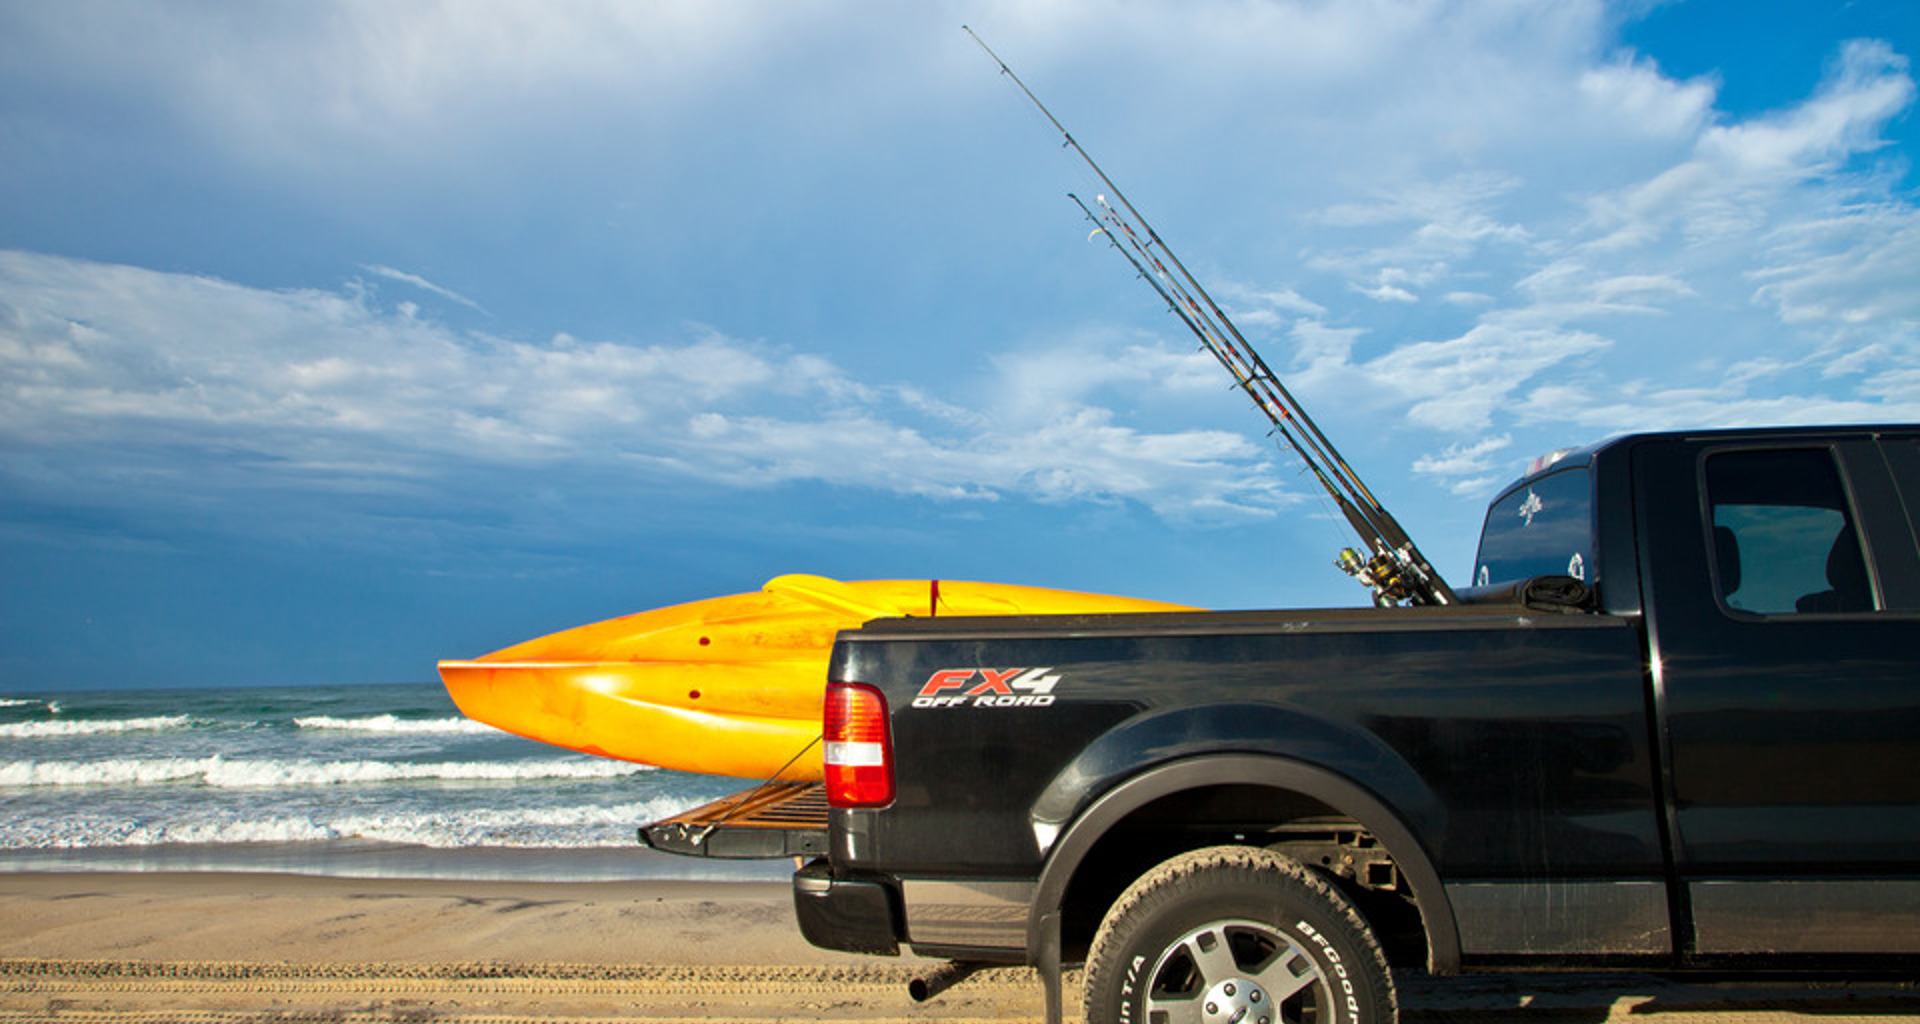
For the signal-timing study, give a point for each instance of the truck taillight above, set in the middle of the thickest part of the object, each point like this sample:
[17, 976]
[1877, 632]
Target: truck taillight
[859, 755]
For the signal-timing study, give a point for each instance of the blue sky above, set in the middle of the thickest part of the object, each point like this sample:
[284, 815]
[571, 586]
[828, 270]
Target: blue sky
[338, 338]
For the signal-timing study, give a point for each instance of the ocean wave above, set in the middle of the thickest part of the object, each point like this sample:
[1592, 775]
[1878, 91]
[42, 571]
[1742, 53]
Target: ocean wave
[41, 730]
[402, 726]
[224, 773]
[577, 827]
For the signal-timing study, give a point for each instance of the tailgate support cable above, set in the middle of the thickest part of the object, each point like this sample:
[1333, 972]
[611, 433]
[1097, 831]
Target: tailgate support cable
[747, 801]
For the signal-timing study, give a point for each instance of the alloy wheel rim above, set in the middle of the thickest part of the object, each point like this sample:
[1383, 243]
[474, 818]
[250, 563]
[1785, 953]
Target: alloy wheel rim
[1236, 972]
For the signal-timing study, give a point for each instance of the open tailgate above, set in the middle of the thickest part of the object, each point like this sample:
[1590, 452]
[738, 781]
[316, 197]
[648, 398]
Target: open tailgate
[774, 819]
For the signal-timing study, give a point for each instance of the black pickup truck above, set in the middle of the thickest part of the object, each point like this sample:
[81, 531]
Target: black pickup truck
[1674, 724]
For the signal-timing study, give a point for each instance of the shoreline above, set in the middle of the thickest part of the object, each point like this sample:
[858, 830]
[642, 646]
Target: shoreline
[367, 859]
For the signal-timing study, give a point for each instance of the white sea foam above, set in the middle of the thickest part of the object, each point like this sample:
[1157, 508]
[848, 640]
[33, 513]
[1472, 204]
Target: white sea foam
[99, 773]
[576, 827]
[41, 730]
[16, 702]
[275, 772]
[283, 830]
[224, 773]
[400, 726]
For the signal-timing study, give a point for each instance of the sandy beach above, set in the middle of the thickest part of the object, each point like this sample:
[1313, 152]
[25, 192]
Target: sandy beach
[182, 948]
[221, 947]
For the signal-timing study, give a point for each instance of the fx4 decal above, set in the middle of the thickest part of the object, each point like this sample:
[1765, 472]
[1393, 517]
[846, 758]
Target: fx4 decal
[987, 688]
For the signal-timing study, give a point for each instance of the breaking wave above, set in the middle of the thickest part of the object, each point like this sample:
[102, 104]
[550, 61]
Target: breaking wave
[325, 780]
[223, 773]
[40, 730]
[399, 726]
[576, 827]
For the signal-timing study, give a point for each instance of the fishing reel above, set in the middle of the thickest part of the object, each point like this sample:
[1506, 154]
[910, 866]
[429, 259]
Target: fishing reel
[1384, 574]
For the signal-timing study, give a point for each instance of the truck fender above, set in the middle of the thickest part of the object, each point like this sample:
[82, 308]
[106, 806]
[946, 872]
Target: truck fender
[1335, 791]
[1276, 730]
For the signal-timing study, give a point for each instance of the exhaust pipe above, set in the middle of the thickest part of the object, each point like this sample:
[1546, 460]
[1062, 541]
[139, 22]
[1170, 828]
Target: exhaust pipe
[941, 979]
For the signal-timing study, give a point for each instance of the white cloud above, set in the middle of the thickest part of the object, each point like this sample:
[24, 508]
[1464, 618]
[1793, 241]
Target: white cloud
[1705, 408]
[1078, 455]
[1633, 94]
[1387, 291]
[298, 79]
[1449, 214]
[334, 386]
[424, 285]
[1867, 86]
[1457, 385]
[1572, 288]
[1034, 384]
[1455, 221]
[1444, 223]
[1741, 174]
[1465, 467]
[1850, 273]
[1678, 267]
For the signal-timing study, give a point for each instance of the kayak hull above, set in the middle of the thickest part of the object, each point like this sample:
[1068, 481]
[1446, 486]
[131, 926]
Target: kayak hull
[724, 686]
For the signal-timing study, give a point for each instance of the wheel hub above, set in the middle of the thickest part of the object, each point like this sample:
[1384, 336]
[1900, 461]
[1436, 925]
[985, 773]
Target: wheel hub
[1237, 1001]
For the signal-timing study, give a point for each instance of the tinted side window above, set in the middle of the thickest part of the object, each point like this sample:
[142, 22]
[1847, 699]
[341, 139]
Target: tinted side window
[1783, 538]
[1542, 529]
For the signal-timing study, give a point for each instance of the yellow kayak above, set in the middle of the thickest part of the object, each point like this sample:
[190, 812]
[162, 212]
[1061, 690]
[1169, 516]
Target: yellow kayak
[725, 686]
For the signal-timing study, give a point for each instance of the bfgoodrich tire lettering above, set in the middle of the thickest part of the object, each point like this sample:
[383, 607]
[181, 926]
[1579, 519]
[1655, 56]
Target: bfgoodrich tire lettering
[1236, 935]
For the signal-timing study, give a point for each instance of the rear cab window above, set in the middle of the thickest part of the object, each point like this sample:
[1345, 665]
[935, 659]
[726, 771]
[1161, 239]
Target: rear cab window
[1543, 527]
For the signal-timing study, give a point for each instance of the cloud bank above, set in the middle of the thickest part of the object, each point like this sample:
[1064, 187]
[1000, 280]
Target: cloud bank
[1464, 232]
[99, 359]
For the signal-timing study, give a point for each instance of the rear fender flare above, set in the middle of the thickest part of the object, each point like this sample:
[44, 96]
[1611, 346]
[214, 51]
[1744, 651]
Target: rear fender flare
[1258, 728]
[1345, 796]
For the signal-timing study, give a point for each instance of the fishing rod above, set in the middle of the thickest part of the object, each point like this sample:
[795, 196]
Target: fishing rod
[1396, 571]
[1196, 321]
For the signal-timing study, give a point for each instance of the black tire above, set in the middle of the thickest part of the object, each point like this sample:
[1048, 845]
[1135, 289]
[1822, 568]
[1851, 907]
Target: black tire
[1236, 935]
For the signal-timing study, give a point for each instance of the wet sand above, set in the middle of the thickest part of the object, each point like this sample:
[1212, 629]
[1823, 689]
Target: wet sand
[220, 948]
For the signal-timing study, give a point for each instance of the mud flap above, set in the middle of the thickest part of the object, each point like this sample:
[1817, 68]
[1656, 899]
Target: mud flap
[774, 819]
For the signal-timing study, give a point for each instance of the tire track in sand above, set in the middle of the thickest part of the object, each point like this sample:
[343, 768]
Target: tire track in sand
[146, 992]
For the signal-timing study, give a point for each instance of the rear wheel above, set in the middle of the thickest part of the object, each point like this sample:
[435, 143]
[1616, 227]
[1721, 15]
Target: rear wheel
[1236, 935]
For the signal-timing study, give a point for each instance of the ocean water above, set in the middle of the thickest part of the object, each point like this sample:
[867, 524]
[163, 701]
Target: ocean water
[348, 780]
